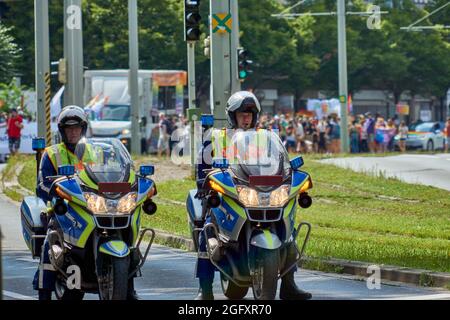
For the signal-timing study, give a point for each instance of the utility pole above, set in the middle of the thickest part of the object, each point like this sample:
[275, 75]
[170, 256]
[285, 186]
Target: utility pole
[73, 52]
[133, 76]
[42, 57]
[343, 81]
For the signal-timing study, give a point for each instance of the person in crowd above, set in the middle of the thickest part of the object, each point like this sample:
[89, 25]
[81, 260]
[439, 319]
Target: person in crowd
[447, 134]
[322, 131]
[163, 140]
[354, 137]
[300, 136]
[13, 130]
[369, 128]
[403, 134]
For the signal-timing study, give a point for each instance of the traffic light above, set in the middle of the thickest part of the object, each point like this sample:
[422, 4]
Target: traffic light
[62, 70]
[207, 47]
[192, 20]
[243, 64]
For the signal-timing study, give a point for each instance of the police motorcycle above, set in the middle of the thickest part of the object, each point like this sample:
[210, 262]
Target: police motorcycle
[94, 226]
[252, 192]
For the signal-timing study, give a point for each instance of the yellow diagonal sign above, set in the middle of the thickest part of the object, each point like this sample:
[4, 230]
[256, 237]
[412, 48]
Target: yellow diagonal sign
[222, 23]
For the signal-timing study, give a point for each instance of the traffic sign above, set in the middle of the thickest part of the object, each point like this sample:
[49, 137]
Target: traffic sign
[222, 23]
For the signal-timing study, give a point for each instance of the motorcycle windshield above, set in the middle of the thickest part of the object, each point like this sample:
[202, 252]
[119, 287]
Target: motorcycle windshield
[104, 160]
[258, 153]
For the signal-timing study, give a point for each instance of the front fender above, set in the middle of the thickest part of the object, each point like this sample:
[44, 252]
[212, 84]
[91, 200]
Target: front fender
[115, 248]
[265, 239]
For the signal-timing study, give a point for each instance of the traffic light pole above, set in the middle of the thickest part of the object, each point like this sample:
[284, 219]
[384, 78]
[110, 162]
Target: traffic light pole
[235, 82]
[192, 98]
[343, 82]
[133, 77]
[220, 63]
[73, 52]
[42, 60]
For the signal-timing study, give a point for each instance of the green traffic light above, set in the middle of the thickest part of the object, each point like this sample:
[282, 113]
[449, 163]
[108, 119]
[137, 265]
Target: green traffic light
[242, 74]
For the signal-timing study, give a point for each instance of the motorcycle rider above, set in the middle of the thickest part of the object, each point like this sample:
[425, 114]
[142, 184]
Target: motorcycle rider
[72, 126]
[243, 109]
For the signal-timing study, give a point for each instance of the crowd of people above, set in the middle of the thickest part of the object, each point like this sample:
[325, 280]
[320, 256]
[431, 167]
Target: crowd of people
[368, 133]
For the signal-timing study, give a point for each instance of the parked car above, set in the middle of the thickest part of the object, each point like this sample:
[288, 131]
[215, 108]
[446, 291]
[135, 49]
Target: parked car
[427, 136]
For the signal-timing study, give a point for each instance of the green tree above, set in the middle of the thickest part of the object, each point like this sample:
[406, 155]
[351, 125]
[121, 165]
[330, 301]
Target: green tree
[10, 96]
[9, 53]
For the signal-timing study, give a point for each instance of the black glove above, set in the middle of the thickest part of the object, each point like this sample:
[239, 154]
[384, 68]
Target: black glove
[201, 193]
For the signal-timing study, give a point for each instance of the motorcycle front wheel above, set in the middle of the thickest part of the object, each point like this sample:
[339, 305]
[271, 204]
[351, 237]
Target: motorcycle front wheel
[231, 290]
[113, 279]
[265, 276]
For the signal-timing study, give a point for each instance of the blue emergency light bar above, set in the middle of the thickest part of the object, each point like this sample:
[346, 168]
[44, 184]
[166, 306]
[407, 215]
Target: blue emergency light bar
[66, 170]
[297, 162]
[220, 163]
[207, 120]
[38, 144]
[146, 170]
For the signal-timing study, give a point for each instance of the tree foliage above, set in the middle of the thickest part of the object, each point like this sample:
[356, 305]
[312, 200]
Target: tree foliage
[9, 54]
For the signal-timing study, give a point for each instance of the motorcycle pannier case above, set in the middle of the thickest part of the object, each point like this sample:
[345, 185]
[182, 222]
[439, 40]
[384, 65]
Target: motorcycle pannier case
[194, 208]
[33, 229]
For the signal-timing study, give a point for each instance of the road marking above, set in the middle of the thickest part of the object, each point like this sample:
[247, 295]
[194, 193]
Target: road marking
[17, 295]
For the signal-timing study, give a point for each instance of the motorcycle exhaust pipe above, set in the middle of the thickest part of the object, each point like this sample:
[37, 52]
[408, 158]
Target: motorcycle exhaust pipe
[56, 252]
[304, 201]
[149, 207]
[214, 249]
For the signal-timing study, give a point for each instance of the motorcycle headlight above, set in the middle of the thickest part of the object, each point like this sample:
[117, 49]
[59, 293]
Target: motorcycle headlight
[248, 197]
[127, 203]
[252, 198]
[95, 203]
[279, 196]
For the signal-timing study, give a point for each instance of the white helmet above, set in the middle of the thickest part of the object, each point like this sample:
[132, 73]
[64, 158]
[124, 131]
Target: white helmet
[242, 101]
[72, 116]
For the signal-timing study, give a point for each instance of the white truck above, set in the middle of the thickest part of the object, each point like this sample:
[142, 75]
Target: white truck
[110, 88]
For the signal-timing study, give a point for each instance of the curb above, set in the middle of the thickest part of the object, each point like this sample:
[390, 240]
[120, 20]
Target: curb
[418, 277]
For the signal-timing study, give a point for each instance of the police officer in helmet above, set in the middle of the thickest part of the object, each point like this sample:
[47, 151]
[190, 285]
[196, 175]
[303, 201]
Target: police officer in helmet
[243, 109]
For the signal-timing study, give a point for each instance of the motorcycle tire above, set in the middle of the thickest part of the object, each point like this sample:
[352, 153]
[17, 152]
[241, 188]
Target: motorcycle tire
[62, 293]
[265, 278]
[115, 284]
[231, 290]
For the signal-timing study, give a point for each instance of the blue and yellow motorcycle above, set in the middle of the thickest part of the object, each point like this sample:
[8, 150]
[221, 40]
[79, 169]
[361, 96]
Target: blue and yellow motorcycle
[250, 209]
[94, 221]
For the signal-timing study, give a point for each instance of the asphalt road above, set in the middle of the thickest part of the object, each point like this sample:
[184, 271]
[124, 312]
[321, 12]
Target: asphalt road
[432, 170]
[169, 274]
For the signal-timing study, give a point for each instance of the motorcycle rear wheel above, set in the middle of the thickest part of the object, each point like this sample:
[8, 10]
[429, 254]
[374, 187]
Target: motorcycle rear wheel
[62, 293]
[265, 277]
